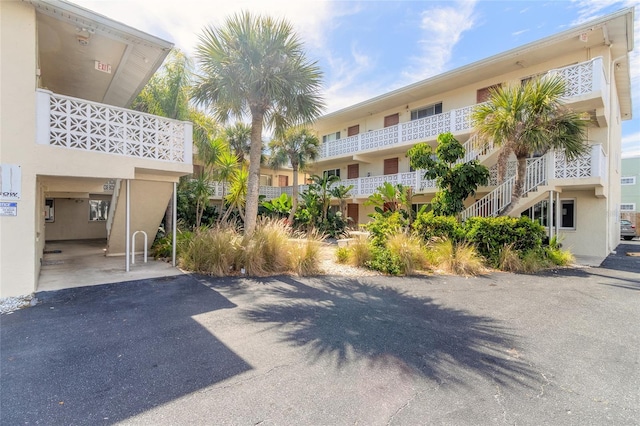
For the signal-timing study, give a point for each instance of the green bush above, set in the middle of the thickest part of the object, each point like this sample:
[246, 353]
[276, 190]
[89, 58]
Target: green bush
[385, 225]
[428, 226]
[491, 234]
[163, 247]
[342, 255]
[384, 261]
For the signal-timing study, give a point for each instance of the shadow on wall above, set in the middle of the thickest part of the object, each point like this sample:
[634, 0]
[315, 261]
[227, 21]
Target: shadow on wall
[99, 355]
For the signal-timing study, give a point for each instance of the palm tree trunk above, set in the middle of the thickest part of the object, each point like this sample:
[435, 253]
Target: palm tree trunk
[294, 192]
[253, 183]
[518, 186]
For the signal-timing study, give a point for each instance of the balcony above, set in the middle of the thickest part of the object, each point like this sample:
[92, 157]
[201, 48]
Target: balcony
[584, 81]
[79, 124]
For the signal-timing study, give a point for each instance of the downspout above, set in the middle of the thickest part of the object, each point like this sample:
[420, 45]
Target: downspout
[174, 222]
[127, 227]
[609, 249]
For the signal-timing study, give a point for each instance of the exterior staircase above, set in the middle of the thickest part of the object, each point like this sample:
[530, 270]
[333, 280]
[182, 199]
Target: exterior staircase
[535, 188]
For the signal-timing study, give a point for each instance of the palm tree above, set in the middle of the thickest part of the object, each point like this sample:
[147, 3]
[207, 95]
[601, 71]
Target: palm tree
[255, 66]
[237, 196]
[297, 146]
[342, 192]
[527, 119]
[238, 137]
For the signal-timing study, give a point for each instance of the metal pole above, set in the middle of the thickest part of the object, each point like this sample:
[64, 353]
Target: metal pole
[174, 219]
[550, 215]
[127, 227]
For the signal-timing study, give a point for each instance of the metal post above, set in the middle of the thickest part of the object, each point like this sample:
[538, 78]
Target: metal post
[127, 227]
[174, 220]
[550, 215]
[558, 212]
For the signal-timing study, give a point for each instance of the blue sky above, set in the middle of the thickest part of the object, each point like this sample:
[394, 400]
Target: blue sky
[367, 48]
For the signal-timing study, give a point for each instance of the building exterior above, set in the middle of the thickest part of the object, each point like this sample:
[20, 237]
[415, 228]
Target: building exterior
[630, 190]
[76, 163]
[366, 144]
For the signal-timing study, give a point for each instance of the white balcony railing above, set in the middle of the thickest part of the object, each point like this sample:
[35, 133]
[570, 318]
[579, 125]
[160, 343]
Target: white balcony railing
[90, 126]
[539, 170]
[581, 79]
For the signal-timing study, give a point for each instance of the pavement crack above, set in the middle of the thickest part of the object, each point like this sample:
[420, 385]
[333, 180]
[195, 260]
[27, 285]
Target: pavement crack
[246, 380]
[548, 382]
[402, 407]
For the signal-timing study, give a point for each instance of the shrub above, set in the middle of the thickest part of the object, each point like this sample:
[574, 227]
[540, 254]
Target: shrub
[304, 256]
[266, 250]
[384, 261]
[559, 257]
[342, 255]
[491, 234]
[409, 251]
[359, 252]
[460, 258]
[509, 260]
[428, 226]
[162, 247]
[385, 225]
[212, 251]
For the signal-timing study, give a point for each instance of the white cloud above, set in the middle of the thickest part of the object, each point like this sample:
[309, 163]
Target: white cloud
[517, 33]
[182, 21]
[442, 27]
[631, 144]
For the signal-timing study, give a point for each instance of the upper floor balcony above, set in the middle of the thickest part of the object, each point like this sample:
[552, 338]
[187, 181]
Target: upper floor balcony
[585, 81]
[78, 124]
[586, 171]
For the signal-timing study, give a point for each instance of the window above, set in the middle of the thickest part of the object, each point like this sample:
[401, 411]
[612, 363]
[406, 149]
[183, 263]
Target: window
[331, 137]
[331, 172]
[391, 120]
[49, 210]
[628, 207]
[628, 180]
[98, 210]
[390, 166]
[567, 214]
[427, 111]
[353, 171]
[266, 180]
[482, 95]
[540, 214]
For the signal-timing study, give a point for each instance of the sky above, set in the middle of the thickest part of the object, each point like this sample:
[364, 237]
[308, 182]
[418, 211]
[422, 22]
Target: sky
[367, 48]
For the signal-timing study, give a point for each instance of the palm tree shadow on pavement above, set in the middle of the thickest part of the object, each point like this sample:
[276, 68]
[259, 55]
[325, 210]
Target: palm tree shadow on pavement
[347, 321]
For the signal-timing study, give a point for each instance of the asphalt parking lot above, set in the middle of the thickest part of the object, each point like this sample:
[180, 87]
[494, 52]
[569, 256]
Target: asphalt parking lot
[556, 348]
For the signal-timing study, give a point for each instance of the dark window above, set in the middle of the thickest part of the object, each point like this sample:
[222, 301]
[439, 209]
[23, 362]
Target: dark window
[427, 111]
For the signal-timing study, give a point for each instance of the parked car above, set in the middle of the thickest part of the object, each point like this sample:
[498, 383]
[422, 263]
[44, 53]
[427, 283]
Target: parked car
[627, 230]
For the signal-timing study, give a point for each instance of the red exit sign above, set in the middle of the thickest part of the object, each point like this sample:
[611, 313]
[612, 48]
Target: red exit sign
[103, 67]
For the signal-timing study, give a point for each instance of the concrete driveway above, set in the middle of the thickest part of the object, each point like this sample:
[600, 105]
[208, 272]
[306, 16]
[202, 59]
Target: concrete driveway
[557, 348]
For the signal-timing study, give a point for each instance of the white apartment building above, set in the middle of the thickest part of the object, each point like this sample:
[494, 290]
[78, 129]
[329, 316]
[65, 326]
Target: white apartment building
[76, 163]
[366, 144]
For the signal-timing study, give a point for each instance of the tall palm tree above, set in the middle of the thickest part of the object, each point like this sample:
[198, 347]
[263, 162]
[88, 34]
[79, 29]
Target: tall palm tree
[255, 66]
[298, 145]
[527, 119]
[238, 137]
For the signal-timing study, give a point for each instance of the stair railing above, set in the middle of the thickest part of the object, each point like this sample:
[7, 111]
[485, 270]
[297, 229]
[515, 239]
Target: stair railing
[495, 201]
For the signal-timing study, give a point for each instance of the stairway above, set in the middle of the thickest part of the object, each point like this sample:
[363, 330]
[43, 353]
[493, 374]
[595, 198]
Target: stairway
[497, 200]
[149, 200]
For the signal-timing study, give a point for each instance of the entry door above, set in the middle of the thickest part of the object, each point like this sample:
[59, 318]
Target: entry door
[391, 120]
[353, 212]
[391, 166]
[353, 130]
[353, 171]
[283, 180]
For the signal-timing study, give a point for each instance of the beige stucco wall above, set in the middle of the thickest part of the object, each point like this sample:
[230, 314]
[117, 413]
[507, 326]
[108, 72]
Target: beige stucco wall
[20, 237]
[149, 200]
[71, 220]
